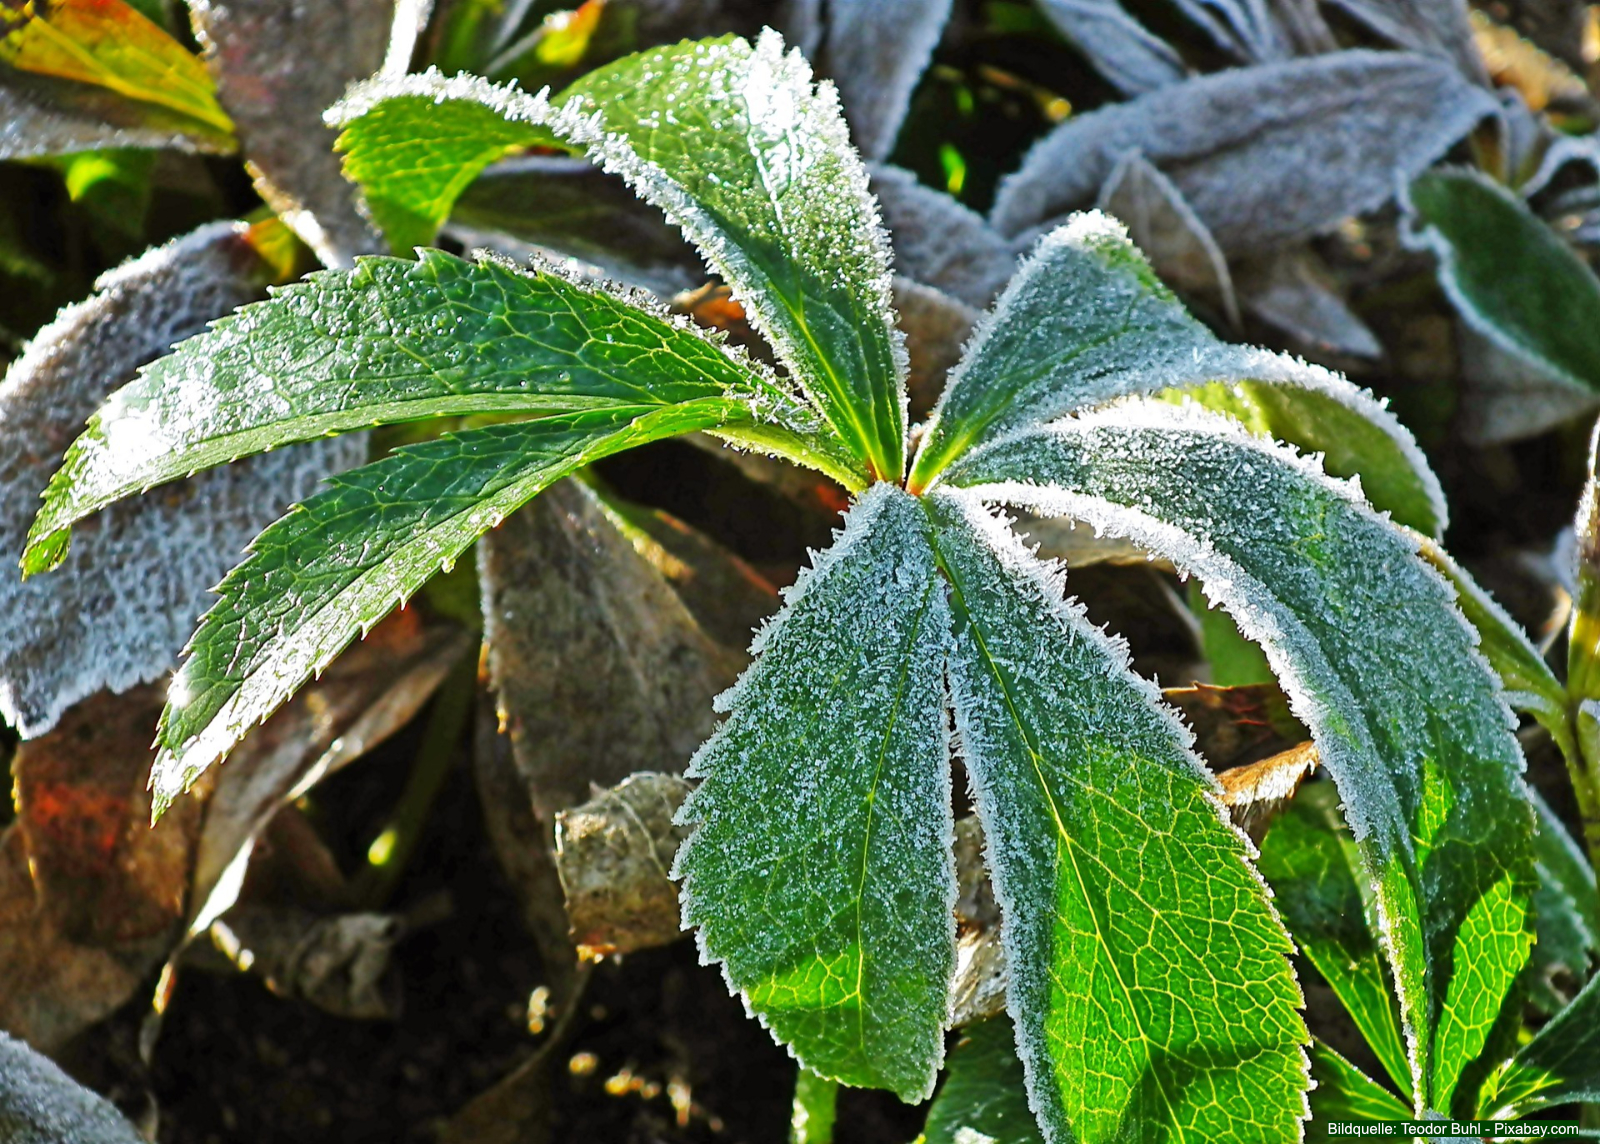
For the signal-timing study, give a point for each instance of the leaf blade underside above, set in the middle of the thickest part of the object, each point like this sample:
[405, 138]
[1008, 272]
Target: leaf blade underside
[1149, 977]
[339, 562]
[820, 872]
[388, 341]
[1377, 661]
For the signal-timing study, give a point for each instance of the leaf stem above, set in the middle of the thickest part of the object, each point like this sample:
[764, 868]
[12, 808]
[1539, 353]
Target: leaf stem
[815, 1106]
[391, 850]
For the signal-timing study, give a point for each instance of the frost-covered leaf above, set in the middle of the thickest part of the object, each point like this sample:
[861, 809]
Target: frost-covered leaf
[820, 871]
[133, 65]
[940, 242]
[118, 610]
[1162, 225]
[1377, 661]
[1311, 863]
[388, 341]
[752, 161]
[1149, 977]
[983, 1096]
[1265, 155]
[40, 1104]
[564, 204]
[343, 559]
[277, 67]
[1086, 321]
[1131, 57]
[1289, 291]
[562, 586]
[1344, 1092]
[875, 51]
[1245, 29]
[1561, 1065]
[1437, 27]
[1508, 274]
[37, 123]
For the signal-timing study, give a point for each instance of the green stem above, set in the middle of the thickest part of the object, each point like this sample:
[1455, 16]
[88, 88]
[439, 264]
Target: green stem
[815, 1106]
[392, 849]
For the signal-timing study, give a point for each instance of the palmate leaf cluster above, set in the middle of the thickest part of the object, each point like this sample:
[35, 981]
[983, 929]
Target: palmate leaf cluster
[1150, 988]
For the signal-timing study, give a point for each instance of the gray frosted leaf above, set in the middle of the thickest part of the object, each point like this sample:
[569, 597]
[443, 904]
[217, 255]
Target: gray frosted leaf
[1288, 292]
[1243, 28]
[117, 612]
[562, 586]
[1436, 27]
[875, 51]
[1164, 226]
[1132, 58]
[40, 1104]
[1265, 155]
[278, 67]
[30, 128]
[1505, 397]
[940, 242]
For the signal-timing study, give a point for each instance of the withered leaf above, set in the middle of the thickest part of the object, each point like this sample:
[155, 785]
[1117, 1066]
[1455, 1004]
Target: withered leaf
[936, 327]
[120, 607]
[563, 586]
[1291, 291]
[278, 67]
[1265, 155]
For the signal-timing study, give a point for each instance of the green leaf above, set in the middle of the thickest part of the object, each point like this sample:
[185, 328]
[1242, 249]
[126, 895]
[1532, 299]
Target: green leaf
[820, 872]
[1509, 275]
[1369, 645]
[414, 149]
[1086, 321]
[1311, 863]
[1561, 1065]
[391, 341]
[335, 565]
[1344, 1092]
[1149, 977]
[753, 162]
[1234, 660]
[983, 1091]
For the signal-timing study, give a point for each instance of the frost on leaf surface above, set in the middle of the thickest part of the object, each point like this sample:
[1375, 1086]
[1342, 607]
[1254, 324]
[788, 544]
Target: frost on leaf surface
[390, 341]
[344, 559]
[1149, 978]
[117, 612]
[820, 872]
[1265, 155]
[1086, 321]
[739, 149]
[1374, 654]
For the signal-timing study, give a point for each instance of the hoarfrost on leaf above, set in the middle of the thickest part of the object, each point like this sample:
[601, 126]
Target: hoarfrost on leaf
[820, 872]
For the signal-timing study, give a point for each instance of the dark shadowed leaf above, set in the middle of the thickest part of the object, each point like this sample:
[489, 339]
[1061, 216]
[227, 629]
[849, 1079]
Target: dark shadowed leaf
[1265, 155]
[983, 1096]
[1344, 1092]
[120, 608]
[1292, 292]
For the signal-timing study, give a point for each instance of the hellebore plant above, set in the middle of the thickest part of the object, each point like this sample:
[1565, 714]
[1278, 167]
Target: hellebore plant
[1149, 985]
